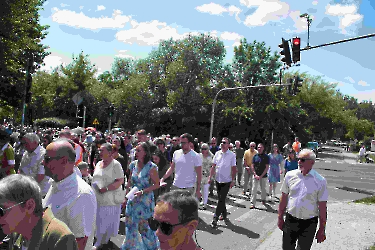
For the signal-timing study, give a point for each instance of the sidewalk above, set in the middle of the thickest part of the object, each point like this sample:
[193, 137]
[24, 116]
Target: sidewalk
[349, 226]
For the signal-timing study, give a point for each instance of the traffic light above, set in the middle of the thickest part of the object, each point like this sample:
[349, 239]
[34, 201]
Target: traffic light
[296, 49]
[290, 87]
[285, 52]
[297, 84]
[111, 110]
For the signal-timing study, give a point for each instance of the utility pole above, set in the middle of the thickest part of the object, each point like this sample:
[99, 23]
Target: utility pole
[235, 88]
[28, 83]
[84, 117]
[309, 20]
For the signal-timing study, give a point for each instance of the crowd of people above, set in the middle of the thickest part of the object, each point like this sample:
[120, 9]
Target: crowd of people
[89, 180]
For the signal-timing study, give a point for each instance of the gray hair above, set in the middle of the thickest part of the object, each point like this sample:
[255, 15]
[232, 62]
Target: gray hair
[252, 143]
[108, 146]
[237, 141]
[20, 188]
[32, 137]
[309, 153]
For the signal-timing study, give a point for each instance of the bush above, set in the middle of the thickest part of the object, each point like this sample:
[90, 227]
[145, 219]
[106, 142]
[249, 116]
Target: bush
[54, 122]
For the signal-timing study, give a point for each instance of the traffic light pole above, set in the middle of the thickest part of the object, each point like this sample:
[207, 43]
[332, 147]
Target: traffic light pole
[235, 88]
[341, 41]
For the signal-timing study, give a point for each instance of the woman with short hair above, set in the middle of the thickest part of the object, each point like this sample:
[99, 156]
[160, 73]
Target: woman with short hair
[107, 179]
[206, 157]
[23, 218]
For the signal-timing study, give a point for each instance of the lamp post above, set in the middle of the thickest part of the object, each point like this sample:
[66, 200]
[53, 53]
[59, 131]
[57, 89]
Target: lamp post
[224, 89]
[309, 20]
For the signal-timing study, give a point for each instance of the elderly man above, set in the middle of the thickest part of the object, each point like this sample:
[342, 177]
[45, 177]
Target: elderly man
[23, 218]
[247, 162]
[224, 169]
[71, 199]
[304, 198]
[32, 161]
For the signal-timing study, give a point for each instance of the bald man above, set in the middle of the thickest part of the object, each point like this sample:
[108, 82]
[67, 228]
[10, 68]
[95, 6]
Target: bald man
[71, 199]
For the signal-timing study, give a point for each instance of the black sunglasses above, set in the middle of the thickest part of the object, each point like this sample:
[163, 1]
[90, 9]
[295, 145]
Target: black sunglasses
[302, 159]
[165, 227]
[3, 210]
[224, 142]
[204, 148]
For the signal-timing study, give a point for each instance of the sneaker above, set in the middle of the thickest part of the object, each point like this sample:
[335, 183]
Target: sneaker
[252, 206]
[201, 203]
[221, 217]
[214, 224]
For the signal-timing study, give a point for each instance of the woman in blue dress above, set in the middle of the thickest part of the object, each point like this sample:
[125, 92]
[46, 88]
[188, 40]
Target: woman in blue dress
[274, 170]
[291, 162]
[144, 176]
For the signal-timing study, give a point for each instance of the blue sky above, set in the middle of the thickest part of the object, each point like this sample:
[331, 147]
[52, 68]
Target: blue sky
[106, 29]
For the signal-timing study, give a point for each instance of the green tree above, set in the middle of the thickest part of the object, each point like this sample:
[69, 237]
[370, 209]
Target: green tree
[20, 39]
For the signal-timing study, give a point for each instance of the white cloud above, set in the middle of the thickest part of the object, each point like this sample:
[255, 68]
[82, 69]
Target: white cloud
[347, 14]
[80, 20]
[64, 5]
[100, 7]
[230, 36]
[54, 60]
[363, 83]
[351, 80]
[147, 33]
[124, 54]
[267, 10]
[80, 7]
[314, 3]
[217, 9]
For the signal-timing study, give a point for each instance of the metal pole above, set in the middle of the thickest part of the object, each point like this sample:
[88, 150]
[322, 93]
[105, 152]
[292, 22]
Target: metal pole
[84, 117]
[308, 31]
[109, 126]
[341, 41]
[27, 88]
[246, 87]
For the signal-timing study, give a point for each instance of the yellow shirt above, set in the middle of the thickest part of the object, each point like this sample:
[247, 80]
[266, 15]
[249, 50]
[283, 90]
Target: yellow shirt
[248, 157]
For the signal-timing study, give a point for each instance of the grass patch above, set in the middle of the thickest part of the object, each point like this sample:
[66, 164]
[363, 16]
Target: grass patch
[371, 248]
[368, 200]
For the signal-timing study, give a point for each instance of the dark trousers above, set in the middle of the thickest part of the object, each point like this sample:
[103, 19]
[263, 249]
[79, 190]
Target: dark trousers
[297, 229]
[222, 192]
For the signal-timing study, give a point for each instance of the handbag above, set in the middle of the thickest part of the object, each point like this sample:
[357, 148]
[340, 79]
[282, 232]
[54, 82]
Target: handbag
[119, 194]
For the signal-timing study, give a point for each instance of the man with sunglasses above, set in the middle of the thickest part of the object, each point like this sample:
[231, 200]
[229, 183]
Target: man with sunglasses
[247, 161]
[175, 220]
[70, 198]
[175, 145]
[224, 169]
[304, 199]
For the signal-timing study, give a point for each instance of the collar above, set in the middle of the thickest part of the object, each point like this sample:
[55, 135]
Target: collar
[5, 146]
[312, 172]
[66, 183]
[36, 150]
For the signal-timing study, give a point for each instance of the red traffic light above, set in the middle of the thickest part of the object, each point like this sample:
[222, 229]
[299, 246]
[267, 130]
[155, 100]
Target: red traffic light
[296, 41]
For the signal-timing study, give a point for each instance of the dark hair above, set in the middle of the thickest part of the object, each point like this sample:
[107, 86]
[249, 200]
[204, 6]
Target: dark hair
[188, 136]
[163, 160]
[160, 141]
[48, 138]
[146, 148]
[19, 188]
[226, 138]
[183, 202]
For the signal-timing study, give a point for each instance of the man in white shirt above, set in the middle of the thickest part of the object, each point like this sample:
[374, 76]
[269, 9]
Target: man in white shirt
[32, 161]
[224, 168]
[304, 198]
[187, 165]
[361, 154]
[71, 199]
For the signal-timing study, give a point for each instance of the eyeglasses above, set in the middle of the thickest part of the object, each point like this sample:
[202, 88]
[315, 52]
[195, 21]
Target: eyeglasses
[165, 227]
[204, 148]
[252, 146]
[303, 159]
[49, 158]
[224, 142]
[3, 210]
[174, 140]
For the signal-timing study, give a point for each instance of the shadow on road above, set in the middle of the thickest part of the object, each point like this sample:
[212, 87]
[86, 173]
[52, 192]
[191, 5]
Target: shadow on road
[337, 156]
[203, 226]
[266, 207]
[240, 230]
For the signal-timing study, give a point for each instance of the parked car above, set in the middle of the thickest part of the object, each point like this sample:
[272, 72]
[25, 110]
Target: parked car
[314, 146]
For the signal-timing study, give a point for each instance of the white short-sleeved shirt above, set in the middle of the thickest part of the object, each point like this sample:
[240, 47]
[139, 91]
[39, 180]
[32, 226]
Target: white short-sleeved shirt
[31, 165]
[185, 164]
[304, 193]
[105, 176]
[73, 201]
[224, 163]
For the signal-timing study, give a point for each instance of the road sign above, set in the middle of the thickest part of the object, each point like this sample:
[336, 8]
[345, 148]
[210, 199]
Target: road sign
[95, 122]
[77, 99]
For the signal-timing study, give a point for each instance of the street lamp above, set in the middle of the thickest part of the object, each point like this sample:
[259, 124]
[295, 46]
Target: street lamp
[309, 20]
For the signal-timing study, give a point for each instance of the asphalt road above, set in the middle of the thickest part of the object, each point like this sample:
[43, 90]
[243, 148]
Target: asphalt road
[247, 228]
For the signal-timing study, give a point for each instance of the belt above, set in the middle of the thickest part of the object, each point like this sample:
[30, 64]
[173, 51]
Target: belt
[298, 219]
